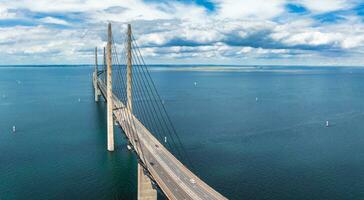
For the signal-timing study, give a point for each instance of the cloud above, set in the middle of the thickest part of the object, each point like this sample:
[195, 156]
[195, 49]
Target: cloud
[52, 20]
[5, 14]
[257, 9]
[327, 5]
[45, 45]
[177, 31]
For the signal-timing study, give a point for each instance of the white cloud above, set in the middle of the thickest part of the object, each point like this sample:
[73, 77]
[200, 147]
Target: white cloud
[52, 20]
[255, 9]
[5, 14]
[237, 29]
[313, 38]
[326, 5]
[353, 42]
[43, 45]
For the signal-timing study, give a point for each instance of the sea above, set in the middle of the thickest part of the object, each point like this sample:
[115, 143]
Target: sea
[251, 132]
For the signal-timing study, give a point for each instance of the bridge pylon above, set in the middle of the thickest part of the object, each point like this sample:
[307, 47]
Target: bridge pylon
[146, 191]
[95, 77]
[110, 124]
[129, 76]
[157, 166]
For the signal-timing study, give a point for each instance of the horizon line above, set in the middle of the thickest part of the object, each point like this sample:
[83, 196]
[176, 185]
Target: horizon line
[197, 64]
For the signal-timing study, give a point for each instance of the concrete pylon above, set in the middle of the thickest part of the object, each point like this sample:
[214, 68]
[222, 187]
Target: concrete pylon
[145, 187]
[129, 81]
[110, 124]
[95, 76]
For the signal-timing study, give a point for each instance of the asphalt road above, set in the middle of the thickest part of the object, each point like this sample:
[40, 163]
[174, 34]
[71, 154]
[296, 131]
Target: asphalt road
[175, 180]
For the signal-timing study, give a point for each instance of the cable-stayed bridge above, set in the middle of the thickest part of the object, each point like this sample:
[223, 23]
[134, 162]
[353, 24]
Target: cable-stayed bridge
[134, 103]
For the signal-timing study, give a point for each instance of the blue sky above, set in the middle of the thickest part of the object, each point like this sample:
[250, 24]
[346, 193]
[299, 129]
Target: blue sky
[247, 32]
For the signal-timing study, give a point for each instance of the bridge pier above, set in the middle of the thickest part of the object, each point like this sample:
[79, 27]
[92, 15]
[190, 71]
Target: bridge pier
[145, 187]
[110, 124]
[95, 77]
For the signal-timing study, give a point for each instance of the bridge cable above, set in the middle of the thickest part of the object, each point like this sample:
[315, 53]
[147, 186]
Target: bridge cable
[131, 119]
[156, 110]
[138, 100]
[151, 103]
[154, 101]
[145, 112]
[118, 76]
[151, 92]
[161, 105]
[143, 90]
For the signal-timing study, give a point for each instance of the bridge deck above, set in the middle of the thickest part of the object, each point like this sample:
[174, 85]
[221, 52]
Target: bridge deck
[176, 181]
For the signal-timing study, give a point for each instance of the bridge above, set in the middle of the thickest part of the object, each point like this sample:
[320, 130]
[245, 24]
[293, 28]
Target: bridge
[135, 105]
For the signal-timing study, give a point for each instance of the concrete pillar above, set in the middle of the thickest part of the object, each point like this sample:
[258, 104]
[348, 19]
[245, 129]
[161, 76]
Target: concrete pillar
[104, 56]
[145, 188]
[104, 74]
[97, 91]
[110, 124]
[129, 80]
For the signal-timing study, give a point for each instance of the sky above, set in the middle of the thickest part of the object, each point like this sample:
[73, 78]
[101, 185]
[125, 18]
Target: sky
[240, 32]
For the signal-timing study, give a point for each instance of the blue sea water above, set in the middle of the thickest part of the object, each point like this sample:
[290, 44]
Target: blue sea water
[251, 132]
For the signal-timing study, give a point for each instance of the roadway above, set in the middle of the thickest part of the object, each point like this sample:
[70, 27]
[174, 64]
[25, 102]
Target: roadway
[174, 179]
